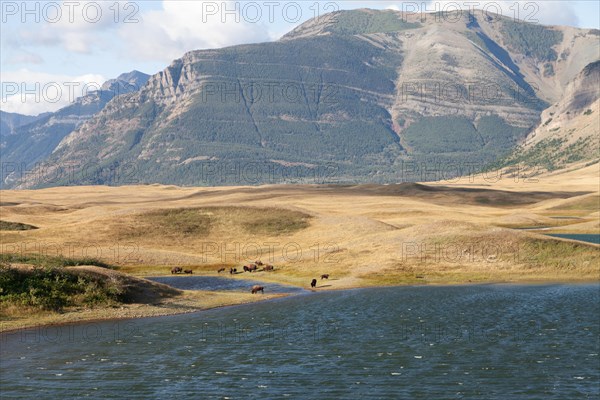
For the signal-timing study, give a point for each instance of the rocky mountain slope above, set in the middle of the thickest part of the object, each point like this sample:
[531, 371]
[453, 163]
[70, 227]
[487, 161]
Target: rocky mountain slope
[35, 138]
[352, 96]
[569, 131]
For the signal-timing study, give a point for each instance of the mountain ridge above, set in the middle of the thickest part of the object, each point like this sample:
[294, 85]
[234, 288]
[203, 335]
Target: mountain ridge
[32, 142]
[204, 110]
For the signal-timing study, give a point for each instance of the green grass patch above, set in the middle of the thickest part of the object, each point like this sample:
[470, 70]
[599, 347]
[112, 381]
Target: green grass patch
[277, 222]
[557, 255]
[200, 222]
[185, 221]
[53, 289]
[15, 226]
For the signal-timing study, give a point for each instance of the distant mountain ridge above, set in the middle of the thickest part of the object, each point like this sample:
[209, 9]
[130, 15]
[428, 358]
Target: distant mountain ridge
[34, 139]
[357, 94]
[9, 122]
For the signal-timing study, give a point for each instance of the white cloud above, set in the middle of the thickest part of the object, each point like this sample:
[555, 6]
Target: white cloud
[24, 57]
[181, 26]
[75, 26]
[32, 93]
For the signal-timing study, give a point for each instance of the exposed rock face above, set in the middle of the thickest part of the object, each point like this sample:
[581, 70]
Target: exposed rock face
[569, 131]
[355, 94]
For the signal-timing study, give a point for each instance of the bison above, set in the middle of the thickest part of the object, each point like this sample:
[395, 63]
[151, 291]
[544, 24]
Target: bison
[313, 283]
[233, 271]
[268, 268]
[250, 268]
[188, 271]
[176, 270]
[324, 276]
[259, 263]
[220, 270]
[257, 288]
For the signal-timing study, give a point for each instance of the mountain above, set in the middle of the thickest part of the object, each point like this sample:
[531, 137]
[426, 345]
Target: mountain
[126, 83]
[9, 122]
[569, 130]
[351, 96]
[34, 139]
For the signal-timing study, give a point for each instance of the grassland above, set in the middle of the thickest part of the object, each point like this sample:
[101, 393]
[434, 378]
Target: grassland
[457, 232]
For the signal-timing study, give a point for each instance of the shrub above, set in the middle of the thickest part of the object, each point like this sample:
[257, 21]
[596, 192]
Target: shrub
[53, 288]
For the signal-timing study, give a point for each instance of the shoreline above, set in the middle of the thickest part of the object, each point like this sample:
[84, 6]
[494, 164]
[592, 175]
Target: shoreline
[148, 314]
[154, 311]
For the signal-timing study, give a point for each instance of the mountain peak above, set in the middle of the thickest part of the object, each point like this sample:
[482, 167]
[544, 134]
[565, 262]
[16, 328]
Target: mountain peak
[356, 22]
[129, 80]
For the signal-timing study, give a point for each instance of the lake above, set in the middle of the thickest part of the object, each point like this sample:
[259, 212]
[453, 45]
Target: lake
[582, 237]
[458, 342]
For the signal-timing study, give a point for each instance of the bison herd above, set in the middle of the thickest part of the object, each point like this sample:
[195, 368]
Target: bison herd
[247, 268]
[179, 270]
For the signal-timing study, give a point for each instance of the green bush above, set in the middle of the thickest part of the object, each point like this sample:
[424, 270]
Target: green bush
[52, 288]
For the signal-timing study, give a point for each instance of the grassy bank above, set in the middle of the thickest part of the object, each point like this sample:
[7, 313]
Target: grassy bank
[54, 288]
[37, 290]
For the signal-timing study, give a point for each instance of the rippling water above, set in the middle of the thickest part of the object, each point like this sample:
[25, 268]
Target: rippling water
[475, 342]
[583, 237]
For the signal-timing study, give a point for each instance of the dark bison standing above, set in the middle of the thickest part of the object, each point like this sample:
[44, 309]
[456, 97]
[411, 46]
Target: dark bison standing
[324, 276]
[268, 268]
[250, 268]
[313, 283]
[233, 271]
[220, 270]
[188, 271]
[176, 270]
[256, 289]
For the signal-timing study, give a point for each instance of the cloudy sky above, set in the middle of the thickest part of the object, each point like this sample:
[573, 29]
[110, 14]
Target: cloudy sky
[56, 49]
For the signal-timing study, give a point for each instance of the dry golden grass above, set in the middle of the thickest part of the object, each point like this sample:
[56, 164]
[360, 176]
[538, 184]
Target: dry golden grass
[361, 235]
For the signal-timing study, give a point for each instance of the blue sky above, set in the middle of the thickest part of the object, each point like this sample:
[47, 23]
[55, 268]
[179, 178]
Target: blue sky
[49, 43]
